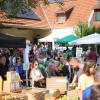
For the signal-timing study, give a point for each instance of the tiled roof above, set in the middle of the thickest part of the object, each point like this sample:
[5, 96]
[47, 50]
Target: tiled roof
[53, 8]
[64, 10]
[81, 12]
[17, 22]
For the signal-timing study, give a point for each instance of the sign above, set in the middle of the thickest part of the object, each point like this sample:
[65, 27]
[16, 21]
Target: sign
[54, 83]
[25, 66]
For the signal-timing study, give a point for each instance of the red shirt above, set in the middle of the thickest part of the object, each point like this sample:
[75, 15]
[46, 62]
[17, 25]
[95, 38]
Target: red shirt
[92, 56]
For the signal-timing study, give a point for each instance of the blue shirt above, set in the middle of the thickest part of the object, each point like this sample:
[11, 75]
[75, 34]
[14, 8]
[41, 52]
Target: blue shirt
[86, 93]
[19, 69]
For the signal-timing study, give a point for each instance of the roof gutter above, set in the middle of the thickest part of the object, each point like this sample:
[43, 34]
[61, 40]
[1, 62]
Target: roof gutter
[25, 27]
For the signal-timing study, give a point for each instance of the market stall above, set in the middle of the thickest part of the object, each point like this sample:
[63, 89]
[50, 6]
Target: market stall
[67, 39]
[9, 41]
[90, 39]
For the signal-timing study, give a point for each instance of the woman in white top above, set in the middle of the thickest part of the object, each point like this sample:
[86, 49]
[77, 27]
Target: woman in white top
[87, 78]
[36, 75]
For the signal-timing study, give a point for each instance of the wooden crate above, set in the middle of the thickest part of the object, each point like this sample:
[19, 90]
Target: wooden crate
[11, 86]
[19, 96]
[6, 96]
[36, 94]
[54, 83]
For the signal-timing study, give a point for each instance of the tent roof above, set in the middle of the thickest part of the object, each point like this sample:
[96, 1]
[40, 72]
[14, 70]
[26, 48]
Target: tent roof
[8, 41]
[67, 39]
[90, 39]
[46, 39]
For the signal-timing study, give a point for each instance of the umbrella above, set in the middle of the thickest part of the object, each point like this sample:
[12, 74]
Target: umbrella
[90, 39]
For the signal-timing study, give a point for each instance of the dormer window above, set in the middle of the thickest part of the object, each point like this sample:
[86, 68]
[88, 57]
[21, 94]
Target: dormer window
[97, 11]
[63, 14]
[61, 18]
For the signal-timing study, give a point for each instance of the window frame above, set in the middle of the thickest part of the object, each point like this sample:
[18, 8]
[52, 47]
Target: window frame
[61, 18]
[95, 14]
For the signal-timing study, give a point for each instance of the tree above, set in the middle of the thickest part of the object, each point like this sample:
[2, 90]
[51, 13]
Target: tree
[16, 5]
[83, 29]
[32, 3]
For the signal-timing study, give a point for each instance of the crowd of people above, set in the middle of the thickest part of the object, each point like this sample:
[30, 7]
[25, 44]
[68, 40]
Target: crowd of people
[44, 62]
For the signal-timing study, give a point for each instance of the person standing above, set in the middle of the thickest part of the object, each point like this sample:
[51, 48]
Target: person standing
[78, 69]
[95, 93]
[68, 71]
[92, 55]
[36, 75]
[19, 68]
[3, 69]
[87, 77]
[87, 91]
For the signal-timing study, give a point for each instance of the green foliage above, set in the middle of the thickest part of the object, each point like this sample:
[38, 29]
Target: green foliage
[1, 4]
[32, 3]
[16, 5]
[46, 2]
[83, 29]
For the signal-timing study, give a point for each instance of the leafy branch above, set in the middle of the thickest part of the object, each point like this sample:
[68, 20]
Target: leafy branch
[83, 29]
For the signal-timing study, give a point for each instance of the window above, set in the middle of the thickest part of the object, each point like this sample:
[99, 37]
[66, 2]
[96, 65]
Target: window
[64, 14]
[61, 18]
[98, 16]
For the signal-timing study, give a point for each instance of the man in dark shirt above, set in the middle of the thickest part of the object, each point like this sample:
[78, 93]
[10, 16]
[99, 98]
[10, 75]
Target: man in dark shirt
[77, 65]
[3, 69]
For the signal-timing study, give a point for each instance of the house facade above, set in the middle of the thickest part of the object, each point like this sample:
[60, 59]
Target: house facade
[54, 19]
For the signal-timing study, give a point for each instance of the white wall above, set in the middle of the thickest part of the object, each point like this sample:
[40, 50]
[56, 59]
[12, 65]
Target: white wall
[60, 33]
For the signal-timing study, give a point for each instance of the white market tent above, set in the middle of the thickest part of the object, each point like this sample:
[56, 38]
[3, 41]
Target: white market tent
[90, 39]
[52, 37]
[48, 38]
[56, 34]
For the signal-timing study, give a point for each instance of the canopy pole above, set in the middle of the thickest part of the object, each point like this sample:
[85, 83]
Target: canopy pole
[96, 49]
[26, 59]
[96, 52]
